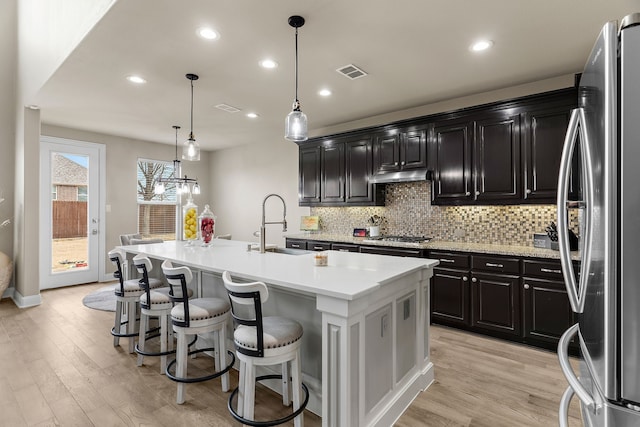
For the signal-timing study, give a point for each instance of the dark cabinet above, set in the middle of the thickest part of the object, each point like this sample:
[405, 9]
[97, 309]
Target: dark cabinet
[336, 171]
[314, 245]
[450, 289]
[309, 175]
[332, 172]
[400, 149]
[496, 171]
[543, 139]
[345, 247]
[295, 243]
[495, 303]
[450, 159]
[385, 250]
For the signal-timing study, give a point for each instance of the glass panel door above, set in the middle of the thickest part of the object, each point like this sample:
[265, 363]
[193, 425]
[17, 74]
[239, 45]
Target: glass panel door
[69, 221]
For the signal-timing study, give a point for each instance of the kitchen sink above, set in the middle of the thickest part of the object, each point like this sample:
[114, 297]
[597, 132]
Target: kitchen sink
[289, 251]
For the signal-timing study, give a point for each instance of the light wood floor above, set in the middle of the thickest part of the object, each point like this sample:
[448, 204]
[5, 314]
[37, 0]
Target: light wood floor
[58, 366]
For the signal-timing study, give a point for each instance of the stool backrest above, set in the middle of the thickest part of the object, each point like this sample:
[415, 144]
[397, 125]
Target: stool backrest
[242, 295]
[144, 266]
[118, 258]
[178, 278]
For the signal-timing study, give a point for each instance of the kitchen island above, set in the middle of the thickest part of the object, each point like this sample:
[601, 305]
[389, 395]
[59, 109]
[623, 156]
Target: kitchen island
[365, 351]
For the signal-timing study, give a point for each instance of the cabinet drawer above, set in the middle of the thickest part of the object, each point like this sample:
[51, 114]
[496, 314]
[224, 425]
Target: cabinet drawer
[450, 260]
[385, 250]
[345, 247]
[313, 245]
[544, 269]
[495, 264]
[296, 244]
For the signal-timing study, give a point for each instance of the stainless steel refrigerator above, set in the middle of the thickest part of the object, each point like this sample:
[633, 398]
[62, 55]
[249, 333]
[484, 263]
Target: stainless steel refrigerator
[605, 132]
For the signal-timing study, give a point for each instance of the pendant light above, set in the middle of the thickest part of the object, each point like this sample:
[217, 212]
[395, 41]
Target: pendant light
[190, 148]
[296, 123]
[181, 184]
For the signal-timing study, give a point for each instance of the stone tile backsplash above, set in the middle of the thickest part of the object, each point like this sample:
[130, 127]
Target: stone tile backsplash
[409, 212]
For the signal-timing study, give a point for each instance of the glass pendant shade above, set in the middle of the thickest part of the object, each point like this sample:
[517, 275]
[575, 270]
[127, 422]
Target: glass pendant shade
[196, 189]
[296, 126]
[191, 149]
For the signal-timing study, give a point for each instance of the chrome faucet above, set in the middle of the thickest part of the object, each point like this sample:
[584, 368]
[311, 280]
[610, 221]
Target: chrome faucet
[264, 222]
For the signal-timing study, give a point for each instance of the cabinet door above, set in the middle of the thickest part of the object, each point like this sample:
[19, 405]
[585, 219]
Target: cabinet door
[332, 173]
[450, 297]
[386, 152]
[546, 310]
[450, 154]
[309, 175]
[413, 149]
[295, 243]
[497, 158]
[358, 169]
[496, 303]
[544, 132]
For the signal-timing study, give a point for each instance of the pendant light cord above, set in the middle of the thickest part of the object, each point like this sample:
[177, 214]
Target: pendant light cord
[296, 64]
[191, 132]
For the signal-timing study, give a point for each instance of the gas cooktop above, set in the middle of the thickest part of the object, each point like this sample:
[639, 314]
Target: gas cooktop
[402, 239]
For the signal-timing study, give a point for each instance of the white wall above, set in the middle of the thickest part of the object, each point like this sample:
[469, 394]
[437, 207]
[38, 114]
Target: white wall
[241, 178]
[121, 163]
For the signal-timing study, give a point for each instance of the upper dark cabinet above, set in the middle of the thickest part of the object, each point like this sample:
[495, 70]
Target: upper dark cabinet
[336, 171]
[497, 158]
[400, 149]
[544, 130]
[309, 175]
[450, 158]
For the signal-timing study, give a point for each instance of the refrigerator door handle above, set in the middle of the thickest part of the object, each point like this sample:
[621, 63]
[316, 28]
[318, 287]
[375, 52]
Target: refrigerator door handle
[574, 383]
[563, 413]
[576, 293]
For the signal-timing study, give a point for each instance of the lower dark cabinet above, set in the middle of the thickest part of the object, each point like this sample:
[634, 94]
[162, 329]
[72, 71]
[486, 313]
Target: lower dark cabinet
[496, 303]
[546, 312]
[450, 297]
[391, 251]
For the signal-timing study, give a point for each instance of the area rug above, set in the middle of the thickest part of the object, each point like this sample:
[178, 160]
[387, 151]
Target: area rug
[102, 299]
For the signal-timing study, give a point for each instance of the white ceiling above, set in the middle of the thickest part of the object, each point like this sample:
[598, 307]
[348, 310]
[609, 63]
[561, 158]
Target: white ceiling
[415, 51]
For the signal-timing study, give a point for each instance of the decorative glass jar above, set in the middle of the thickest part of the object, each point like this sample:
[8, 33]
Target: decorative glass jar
[190, 221]
[206, 226]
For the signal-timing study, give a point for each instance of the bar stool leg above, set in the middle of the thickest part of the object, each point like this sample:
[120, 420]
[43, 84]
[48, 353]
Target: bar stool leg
[297, 384]
[221, 363]
[242, 383]
[286, 385]
[164, 326]
[181, 365]
[249, 390]
[144, 325]
[117, 325]
[131, 324]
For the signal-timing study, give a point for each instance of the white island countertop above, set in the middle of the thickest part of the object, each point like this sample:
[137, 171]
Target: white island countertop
[347, 276]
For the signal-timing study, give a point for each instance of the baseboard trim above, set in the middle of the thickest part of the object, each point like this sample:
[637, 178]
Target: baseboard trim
[25, 302]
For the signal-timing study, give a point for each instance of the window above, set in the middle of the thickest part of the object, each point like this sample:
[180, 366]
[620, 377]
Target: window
[82, 193]
[156, 212]
[54, 192]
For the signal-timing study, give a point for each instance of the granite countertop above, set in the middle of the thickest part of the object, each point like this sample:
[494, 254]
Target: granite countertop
[489, 248]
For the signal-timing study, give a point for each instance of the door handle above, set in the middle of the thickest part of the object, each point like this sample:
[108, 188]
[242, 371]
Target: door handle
[94, 231]
[567, 370]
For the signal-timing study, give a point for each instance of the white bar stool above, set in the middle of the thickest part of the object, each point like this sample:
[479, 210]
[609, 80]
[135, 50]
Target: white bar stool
[192, 317]
[127, 297]
[154, 303]
[263, 341]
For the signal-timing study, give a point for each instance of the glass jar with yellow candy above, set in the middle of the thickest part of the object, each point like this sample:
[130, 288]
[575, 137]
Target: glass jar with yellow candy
[190, 221]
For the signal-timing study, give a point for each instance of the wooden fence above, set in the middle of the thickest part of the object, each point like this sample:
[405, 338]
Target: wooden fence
[69, 219]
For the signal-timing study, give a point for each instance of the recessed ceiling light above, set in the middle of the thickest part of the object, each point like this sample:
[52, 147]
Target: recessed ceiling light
[268, 63]
[252, 115]
[324, 92]
[481, 45]
[136, 79]
[208, 33]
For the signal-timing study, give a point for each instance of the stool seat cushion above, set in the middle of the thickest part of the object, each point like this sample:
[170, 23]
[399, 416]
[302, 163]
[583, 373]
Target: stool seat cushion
[159, 297]
[132, 287]
[278, 332]
[201, 309]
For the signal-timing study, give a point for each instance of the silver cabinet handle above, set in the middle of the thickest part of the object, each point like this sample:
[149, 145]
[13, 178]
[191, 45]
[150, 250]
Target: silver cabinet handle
[528, 191]
[402, 163]
[295, 245]
[526, 286]
[474, 280]
[477, 193]
[567, 370]
[548, 270]
[318, 248]
[395, 163]
[343, 250]
[447, 260]
[576, 293]
[467, 193]
[490, 264]
[465, 278]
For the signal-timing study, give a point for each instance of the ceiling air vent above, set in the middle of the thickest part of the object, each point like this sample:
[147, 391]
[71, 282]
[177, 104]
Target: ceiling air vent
[227, 108]
[351, 71]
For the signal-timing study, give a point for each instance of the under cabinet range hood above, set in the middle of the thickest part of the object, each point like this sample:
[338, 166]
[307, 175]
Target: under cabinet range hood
[400, 176]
